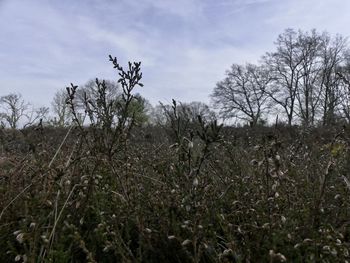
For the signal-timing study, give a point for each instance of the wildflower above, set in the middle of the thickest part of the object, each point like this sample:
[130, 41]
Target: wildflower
[18, 258]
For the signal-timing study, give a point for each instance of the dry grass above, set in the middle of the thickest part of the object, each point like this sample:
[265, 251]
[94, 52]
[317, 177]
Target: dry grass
[255, 196]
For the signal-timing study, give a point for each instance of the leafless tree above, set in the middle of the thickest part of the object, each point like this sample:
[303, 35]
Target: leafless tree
[334, 90]
[305, 83]
[285, 66]
[344, 98]
[197, 108]
[101, 97]
[242, 93]
[14, 108]
[36, 114]
[186, 111]
[61, 111]
[91, 90]
[309, 93]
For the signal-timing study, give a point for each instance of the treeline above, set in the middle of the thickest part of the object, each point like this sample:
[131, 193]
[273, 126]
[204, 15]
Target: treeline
[105, 98]
[303, 81]
[15, 112]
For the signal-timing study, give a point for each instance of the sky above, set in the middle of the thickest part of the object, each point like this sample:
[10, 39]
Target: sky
[185, 46]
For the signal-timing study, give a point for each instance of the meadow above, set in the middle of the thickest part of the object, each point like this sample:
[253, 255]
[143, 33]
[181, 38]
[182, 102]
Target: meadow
[185, 192]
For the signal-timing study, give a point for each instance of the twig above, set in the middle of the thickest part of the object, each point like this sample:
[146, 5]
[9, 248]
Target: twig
[59, 148]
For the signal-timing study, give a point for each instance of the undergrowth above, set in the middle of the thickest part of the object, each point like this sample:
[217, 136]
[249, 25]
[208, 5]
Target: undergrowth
[189, 191]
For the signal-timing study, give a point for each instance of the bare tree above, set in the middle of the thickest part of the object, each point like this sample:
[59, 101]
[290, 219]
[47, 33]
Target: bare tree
[36, 114]
[14, 108]
[92, 89]
[309, 93]
[334, 90]
[197, 108]
[344, 98]
[106, 99]
[61, 111]
[101, 97]
[242, 93]
[157, 116]
[285, 66]
[187, 111]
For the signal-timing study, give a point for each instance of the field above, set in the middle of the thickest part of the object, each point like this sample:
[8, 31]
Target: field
[183, 192]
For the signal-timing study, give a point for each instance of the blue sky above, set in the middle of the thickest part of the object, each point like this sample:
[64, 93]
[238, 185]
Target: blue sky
[185, 45]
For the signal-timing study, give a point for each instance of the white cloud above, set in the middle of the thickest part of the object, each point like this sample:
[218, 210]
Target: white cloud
[185, 46]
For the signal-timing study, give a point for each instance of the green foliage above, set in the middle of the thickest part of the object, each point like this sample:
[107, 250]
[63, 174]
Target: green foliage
[138, 109]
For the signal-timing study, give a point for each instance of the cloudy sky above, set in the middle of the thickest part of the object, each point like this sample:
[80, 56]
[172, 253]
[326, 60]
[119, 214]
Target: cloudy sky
[185, 45]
